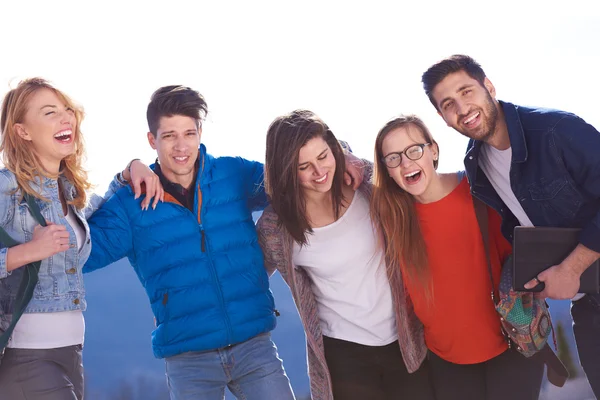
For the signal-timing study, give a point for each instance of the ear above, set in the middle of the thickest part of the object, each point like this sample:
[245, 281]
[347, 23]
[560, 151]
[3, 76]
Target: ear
[435, 151]
[490, 87]
[151, 140]
[23, 134]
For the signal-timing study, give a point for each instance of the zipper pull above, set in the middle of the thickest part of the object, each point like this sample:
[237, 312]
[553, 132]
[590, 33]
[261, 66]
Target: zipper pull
[203, 241]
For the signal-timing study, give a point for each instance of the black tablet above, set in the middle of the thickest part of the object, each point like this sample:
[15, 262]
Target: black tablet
[538, 248]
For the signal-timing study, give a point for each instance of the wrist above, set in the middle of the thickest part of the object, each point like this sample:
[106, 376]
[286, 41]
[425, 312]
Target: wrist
[126, 173]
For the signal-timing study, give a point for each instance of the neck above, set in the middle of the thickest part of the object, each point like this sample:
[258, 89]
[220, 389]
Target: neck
[499, 139]
[317, 199]
[183, 180]
[438, 188]
[52, 168]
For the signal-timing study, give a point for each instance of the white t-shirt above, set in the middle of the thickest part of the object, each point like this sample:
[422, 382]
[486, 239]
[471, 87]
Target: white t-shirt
[56, 329]
[349, 278]
[496, 166]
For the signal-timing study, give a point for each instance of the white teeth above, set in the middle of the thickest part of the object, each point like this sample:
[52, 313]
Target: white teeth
[468, 120]
[411, 174]
[63, 134]
[181, 158]
[321, 179]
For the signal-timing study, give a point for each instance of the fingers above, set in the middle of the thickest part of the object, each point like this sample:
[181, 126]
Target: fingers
[158, 197]
[347, 178]
[531, 284]
[154, 191]
[137, 187]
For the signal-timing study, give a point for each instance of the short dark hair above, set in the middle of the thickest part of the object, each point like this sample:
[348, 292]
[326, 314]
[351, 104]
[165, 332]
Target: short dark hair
[458, 62]
[175, 100]
[285, 137]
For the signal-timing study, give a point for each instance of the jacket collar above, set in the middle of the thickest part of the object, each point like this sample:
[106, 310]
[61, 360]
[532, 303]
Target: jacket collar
[515, 131]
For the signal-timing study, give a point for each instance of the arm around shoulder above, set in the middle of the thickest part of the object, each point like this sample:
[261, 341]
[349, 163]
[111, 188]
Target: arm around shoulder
[270, 239]
[111, 233]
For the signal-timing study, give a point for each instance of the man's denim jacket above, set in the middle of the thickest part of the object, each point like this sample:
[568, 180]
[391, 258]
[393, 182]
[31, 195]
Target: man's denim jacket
[60, 286]
[554, 174]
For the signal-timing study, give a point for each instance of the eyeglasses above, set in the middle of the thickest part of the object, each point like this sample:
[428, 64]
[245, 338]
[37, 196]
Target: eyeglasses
[412, 152]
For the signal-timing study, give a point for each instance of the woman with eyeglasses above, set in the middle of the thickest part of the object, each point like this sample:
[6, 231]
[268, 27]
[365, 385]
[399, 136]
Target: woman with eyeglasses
[430, 228]
[362, 340]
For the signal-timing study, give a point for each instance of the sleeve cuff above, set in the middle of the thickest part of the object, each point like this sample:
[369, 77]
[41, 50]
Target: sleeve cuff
[590, 237]
[3, 272]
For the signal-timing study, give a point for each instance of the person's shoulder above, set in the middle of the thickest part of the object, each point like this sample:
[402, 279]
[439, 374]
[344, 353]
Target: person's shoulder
[542, 117]
[8, 180]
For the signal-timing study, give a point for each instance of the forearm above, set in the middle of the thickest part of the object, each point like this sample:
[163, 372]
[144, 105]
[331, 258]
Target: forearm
[580, 259]
[19, 256]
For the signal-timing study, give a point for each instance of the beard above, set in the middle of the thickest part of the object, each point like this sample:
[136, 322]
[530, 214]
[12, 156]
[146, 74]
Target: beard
[486, 130]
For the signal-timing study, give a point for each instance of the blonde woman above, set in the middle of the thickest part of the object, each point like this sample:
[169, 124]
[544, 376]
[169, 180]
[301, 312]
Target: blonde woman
[42, 150]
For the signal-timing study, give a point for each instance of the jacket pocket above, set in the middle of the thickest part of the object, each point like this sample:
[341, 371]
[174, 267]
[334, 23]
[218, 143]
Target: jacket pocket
[556, 198]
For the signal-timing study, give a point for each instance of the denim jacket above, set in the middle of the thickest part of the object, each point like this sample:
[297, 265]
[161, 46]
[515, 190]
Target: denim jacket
[60, 286]
[554, 174]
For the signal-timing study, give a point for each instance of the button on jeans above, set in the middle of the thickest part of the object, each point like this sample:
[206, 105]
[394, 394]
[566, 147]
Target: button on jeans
[252, 370]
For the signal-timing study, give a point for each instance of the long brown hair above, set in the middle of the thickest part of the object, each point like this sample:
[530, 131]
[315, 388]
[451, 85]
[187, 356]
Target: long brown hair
[286, 135]
[394, 210]
[18, 155]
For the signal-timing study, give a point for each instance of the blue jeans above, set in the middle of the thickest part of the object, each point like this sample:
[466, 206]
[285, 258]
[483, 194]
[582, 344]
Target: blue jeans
[586, 326]
[252, 370]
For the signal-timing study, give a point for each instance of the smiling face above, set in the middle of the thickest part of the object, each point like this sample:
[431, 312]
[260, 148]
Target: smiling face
[316, 166]
[467, 106]
[414, 176]
[50, 126]
[176, 143]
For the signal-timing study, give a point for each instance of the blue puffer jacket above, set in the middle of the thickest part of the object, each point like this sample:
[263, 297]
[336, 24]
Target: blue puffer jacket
[203, 272]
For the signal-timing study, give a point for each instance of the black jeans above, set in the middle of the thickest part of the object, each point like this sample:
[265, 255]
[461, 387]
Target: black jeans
[360, 372]
[586, 326]
[507, 376]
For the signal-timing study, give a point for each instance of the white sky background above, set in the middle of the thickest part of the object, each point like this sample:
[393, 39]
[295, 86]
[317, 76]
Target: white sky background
[356, 64]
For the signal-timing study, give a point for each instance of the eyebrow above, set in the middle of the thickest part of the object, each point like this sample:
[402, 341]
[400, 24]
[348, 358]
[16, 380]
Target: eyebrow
[460, 89]
[320, 154]
[47, 105]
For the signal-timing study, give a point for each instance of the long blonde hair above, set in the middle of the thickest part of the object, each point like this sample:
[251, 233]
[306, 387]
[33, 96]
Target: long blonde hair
[395, 211]
[17, 153]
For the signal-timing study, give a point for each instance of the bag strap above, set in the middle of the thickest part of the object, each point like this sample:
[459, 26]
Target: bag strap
[482, 219]
[30, 275]
[556, 373]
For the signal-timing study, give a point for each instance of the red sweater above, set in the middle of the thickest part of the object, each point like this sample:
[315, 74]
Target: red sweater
[461, 324]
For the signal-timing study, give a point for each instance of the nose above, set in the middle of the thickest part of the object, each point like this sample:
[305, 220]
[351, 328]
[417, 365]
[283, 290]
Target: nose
[405, 161]
[461, 107]
[180, 144]
[318, 170]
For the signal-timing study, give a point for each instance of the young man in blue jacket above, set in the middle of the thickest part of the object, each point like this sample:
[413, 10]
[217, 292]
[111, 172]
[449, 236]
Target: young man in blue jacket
[536, 167]
[197, 256]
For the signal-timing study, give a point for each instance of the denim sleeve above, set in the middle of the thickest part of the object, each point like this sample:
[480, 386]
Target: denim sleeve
[255, 189]
[97, 201]
[5, 203]
[3, 271]
[579, 143]
[112, 238]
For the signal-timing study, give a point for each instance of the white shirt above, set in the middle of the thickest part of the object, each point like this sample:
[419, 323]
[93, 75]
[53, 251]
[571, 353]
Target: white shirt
[349, 278]
[56, 329]
[496, 166]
